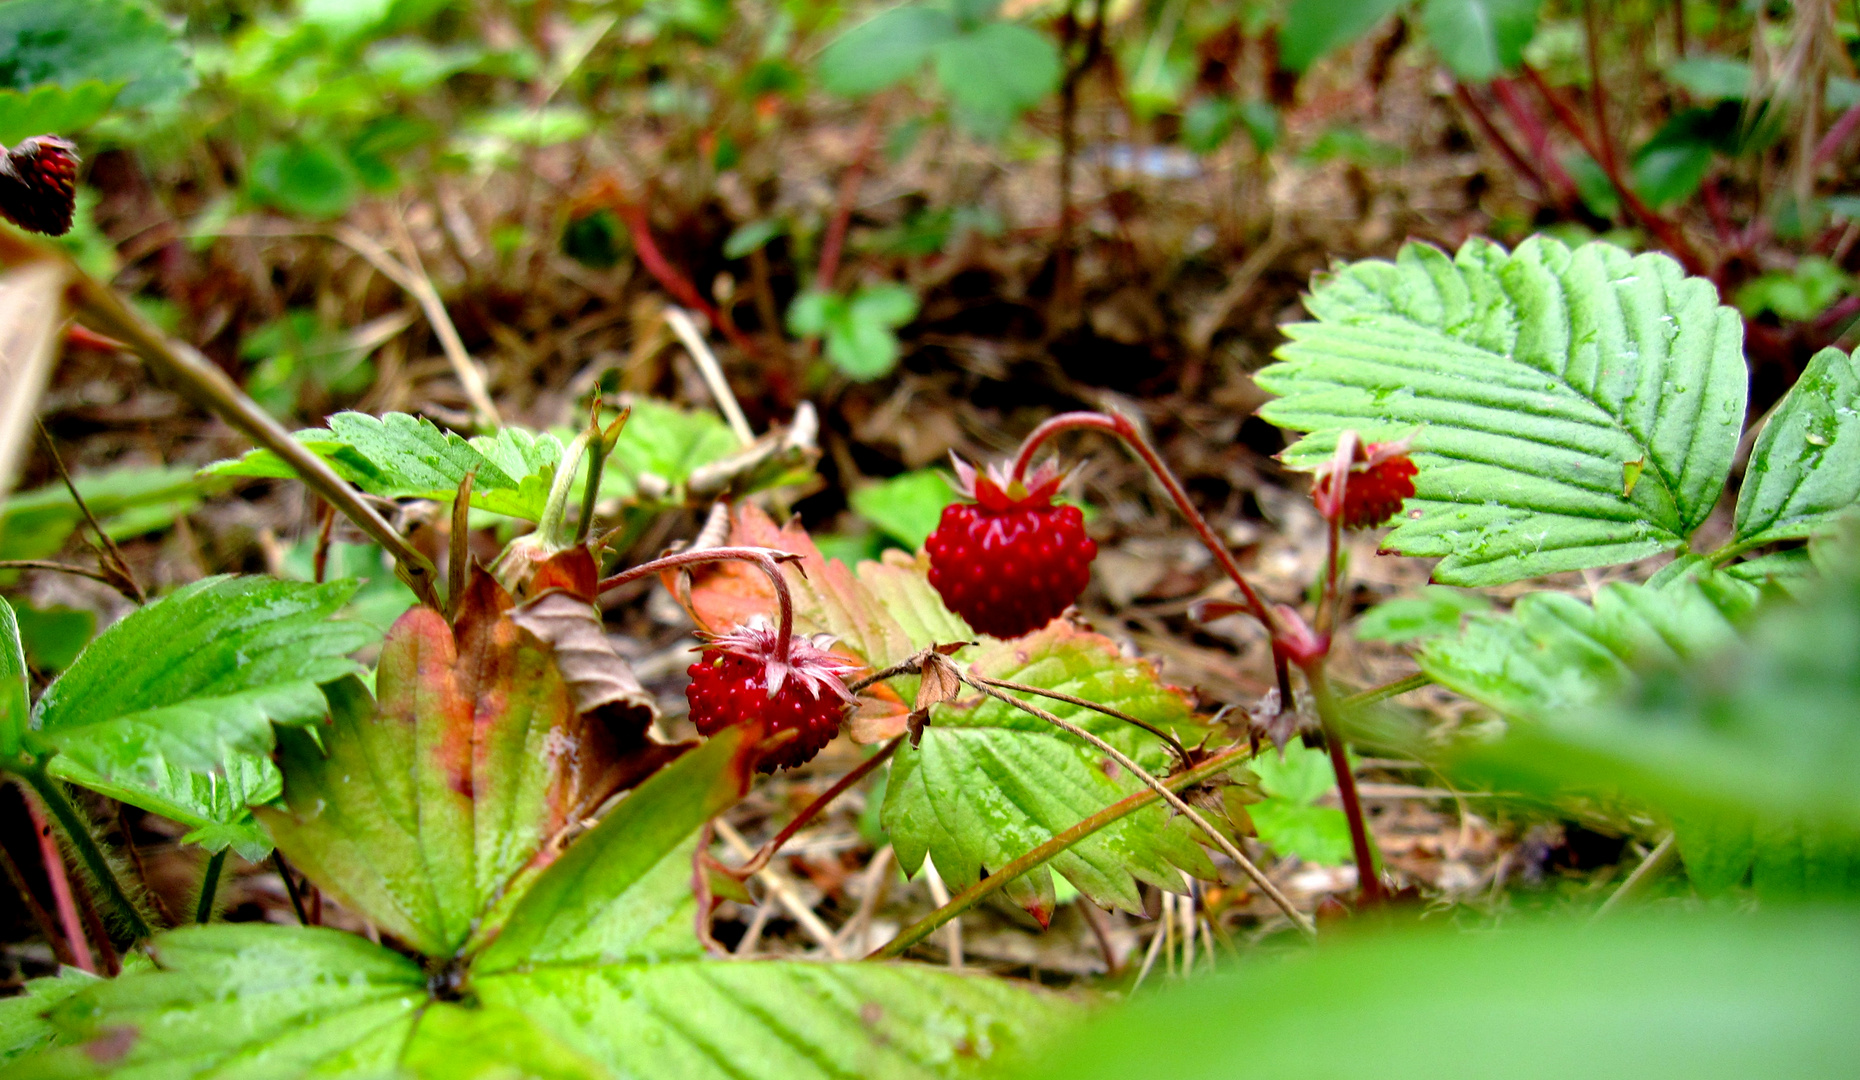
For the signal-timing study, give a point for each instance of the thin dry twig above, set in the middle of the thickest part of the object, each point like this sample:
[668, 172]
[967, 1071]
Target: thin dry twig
[784, 890]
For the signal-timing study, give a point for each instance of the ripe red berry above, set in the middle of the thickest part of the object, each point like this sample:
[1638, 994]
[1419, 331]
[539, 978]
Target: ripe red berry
[1379, 478]
[1010, 561]
[739, 680]
[38, 184]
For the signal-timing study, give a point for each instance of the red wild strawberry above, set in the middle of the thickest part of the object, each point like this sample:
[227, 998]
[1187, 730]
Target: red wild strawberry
[739, 680]
[1010, 561]
[1379, 476]
[38, 184]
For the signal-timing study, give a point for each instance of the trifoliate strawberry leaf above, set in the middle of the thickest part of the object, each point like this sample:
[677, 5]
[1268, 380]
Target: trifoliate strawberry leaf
[242, 999]
[988, 782]
[1805, 467]
[421, 810]
[1552, 653]
[171, 708]
[1293, 779]
[399, 456]
[1569, 408]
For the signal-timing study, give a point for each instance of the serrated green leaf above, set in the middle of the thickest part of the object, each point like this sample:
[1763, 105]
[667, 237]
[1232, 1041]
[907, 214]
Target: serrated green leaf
[1665, 997]
[906, 507]
[399, 456]
[1805, 467]
[661, 446]
[1569, 409]
[52, 108]
[1552, 652]
[1313, 28]
[988, 783]
[128, 502]
[996, 72]
[24, 1028]
[171, 708]
[459, 1042]
[610, 897]
[74, 42]
[703, 1020]
[886, 49]
[14, 705]
[1480, 40]
[1292, 779]
[242, 999]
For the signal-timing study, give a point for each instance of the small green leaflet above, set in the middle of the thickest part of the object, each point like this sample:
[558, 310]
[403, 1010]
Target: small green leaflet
[1287, 821]
[399, 456]
[128, 502]
[1569, 408]
[74, 43]
[171, 708]
[25, 113]
[1479, 40]
[906, 507]
[1313, 28]
[1805, 467]
[988, 783]
[1436, 610]
[14, 707]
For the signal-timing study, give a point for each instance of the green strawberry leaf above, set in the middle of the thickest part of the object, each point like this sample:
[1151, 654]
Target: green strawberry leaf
[1436, 610]
[987, 782]
[1552, 652]
[242, 999]
[1666, 995]
[171, 708]
[1758, 741]
[53, 108]
[994, 73]
[399, 456]
[491, 1042]
[1292, 780]
[24, 1027]
[1805, 467]
[72, 43]
[906, 507]
[1569, 409]
[661, 446]
[1314, 28]
[421, 810]
[1480, 40]
[705, 1020]
[128, 502]
[884, 50]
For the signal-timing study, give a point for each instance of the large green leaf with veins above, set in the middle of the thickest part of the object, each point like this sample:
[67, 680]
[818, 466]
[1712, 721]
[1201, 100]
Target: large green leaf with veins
[172, 708]
[1569, 408]
[72, 43]
[1805, 467]
[421, 810]
[988, 782]
[596, 975]
[399, 456]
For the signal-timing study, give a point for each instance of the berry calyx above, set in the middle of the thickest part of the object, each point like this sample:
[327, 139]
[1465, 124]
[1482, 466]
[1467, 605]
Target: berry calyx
[1378, 476]
[1010, 561]
[741, 678]
[38, 184]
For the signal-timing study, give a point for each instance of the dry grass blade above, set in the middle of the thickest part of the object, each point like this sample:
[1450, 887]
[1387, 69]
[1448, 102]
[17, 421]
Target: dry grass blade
[31, 313]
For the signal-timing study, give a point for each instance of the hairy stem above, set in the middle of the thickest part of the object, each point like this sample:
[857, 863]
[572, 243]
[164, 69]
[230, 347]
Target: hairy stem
[41, 918]
[77, 830]
[768, 559]
[1227, 846]
[1013, 869]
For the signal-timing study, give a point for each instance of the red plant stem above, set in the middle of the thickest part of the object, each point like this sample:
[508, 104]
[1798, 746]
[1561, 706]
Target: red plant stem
[761, 858]
[1598, 94]
[833, 245]
[1510, 153]
[1369, 883]
[41, 918]
[766, 558]
[1527, 120]
[1663, 229]
[1121, 427]
[319, 561]
[1837, 136]
[670, 278]
[62, 899]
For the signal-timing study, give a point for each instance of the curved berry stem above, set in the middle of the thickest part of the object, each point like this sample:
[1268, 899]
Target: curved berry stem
[761, 858]
[1368, 882]
[768, 559]
[1120, 426]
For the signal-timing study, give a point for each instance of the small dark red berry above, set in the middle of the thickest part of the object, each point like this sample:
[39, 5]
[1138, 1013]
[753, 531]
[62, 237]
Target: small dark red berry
[38, 184]
[730, 685]
[1379, 479]
[1010, 561]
